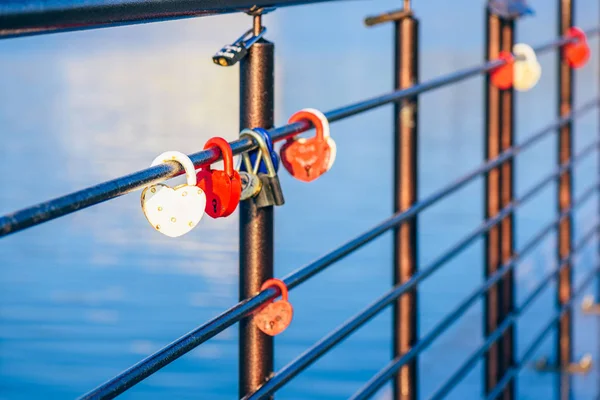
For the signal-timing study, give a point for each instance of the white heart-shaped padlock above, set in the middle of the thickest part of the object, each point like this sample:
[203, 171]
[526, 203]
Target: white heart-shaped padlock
[174, 211]
[527, 69]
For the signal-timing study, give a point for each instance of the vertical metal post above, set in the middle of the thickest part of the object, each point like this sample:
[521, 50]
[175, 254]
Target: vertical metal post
[564, 201]
[405, 195]
[507, 243]
[493, 115]
[256, 224]
[565, 188]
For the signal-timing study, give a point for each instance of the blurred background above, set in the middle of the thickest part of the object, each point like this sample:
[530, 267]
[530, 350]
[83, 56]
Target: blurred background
[85, 296]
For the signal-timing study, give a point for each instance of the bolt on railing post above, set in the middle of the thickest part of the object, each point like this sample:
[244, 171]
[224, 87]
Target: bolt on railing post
[405, 195]
[256, 224]
[564, 201]
[493, 115]
[507, 225]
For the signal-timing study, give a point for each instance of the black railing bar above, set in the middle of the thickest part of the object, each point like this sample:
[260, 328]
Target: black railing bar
[84, 198]
[320, 348]
[31, 17]
[189, 341]
[513, 371]
[475, 356]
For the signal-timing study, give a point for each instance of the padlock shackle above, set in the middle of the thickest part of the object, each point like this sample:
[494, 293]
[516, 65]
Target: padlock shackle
[248, 38]
[576, 33]
[186, 163]
[266, 137]
[254, 38]
[316, 118]
[263, 153]
[274, 282]
[523, 52]
[225, 149]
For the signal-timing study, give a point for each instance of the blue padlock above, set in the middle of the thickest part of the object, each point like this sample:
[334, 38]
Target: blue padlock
[262, 168]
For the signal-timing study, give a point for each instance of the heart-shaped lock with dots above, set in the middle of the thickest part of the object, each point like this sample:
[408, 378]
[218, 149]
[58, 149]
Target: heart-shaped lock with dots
[174, 211]
[306, 159]
[502, 76]
[576, 53]
[275, 317]
[223, 189]
[527, 69]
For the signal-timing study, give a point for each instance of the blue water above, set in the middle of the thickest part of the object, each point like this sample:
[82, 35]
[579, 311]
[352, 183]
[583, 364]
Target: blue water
[85, 296]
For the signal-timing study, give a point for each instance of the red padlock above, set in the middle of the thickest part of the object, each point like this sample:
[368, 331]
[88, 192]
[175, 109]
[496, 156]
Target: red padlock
[223, 188]
[502, 76]
[576, 53]
[275, 317]
[307, 159]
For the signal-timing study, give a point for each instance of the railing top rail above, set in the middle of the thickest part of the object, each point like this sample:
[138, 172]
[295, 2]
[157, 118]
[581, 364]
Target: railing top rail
[31, 17]
[69, 203]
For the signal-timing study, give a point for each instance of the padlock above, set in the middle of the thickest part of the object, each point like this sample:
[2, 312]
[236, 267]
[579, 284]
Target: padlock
[223, 188]
[174, 211]
[502, 76]
[276, 316]
[308, 158]
[576, 53]
[526, 70]
[255, 153]
[251, 183]
[270, 193]
[232, 53]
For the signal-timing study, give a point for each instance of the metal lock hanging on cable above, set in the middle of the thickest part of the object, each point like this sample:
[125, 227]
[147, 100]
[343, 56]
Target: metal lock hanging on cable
[232, 53]
[270, 193]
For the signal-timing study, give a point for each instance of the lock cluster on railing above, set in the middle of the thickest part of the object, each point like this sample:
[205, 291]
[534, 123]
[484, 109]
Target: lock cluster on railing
[521, 69]
[176, 211]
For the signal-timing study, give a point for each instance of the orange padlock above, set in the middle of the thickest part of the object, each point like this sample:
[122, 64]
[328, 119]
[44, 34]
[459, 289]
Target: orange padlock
[502, 76]
[307, 159]
[223, 188]
[276, 316]
[576, 53]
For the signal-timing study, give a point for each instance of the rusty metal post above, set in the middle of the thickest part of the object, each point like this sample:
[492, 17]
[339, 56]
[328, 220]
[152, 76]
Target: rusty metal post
[507, 227]
[493, 115]
[256, 224]
[405, 195]
[565, 190]
[564, 343]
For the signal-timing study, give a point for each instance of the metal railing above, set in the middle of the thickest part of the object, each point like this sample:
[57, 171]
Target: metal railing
[257, 379]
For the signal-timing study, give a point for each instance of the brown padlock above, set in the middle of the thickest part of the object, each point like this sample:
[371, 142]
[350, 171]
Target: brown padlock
[275, 317]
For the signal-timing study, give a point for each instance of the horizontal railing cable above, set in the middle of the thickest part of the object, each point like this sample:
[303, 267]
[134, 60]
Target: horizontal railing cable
[67, 204]
[375, 383]
[535, 343]
[189, 341]
[474, 358]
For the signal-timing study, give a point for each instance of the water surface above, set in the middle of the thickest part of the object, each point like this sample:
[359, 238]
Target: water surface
[86, 296]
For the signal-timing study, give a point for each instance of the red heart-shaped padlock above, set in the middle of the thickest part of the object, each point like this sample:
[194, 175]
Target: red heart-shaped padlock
[576, 53]
[275, 317]
[502, 76]
[307, 159]
[223, 188]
